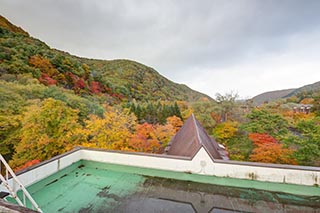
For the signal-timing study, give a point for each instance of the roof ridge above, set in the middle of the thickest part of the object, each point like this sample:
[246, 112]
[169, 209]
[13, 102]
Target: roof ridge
[190, 138]
[197, 129]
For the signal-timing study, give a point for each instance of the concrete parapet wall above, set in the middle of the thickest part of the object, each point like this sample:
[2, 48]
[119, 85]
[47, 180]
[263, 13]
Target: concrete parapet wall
[201, 163]
[35, 173]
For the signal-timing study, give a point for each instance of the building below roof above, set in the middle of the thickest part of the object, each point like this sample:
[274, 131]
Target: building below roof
[189, 140]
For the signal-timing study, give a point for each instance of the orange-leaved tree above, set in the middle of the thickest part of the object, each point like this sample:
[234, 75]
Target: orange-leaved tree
[261, 138]
[164, 133]
[145, 139]
[175, 122]
[272, 153]
[43, 64]
[269, 150]
[27, 164]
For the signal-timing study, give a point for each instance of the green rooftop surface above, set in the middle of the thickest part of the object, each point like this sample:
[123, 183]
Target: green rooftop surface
[88, 186]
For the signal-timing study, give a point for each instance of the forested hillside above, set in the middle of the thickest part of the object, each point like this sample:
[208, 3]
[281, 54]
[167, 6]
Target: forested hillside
[119, 79]
[286, 93]
[270, 96]
[52, 101]
[285, 131]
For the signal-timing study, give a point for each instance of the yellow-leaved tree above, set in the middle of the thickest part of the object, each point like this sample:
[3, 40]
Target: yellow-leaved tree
[48, 128]
[223, 132]
[44, 65]
[110, 132]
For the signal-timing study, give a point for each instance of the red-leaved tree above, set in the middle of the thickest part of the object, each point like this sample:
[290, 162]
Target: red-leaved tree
[262, 138]
[268, 150]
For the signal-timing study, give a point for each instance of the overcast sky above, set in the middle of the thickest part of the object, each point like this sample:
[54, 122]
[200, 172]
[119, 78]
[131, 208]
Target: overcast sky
[244, 46]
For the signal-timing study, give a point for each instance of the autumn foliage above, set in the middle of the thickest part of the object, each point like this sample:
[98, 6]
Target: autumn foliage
[48, 129]
[27, 164]
[95, 87]
[224, 131]
[269, 150]
[175, 122]
[145, 139]
[296, 117]
[261, 139]
[151, 138]
[39, 122]
[46, 80]
[44, 65]
[110, 132]
[217, 117]
[79, 83]
[272, 153]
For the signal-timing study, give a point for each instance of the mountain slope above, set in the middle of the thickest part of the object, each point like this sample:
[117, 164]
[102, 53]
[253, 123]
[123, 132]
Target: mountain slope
[307, 88]
[9, 26]
[278, 94]
[270, 96]
[119, 79]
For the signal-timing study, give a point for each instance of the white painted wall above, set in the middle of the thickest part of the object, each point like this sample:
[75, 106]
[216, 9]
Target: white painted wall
[147, 161]
[200, 164]
[291, 174]
[294, 176]
[203, 164]
[29, 177]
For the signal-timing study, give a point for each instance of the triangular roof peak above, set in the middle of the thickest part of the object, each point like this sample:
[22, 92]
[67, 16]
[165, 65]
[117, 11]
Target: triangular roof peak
[190, 138]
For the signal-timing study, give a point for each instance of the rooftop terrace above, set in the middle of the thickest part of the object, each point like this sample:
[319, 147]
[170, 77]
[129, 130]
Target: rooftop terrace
[87, 186]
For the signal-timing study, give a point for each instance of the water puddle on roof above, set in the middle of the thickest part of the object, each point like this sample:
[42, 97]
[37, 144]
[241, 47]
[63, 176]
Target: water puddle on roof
[167, 195]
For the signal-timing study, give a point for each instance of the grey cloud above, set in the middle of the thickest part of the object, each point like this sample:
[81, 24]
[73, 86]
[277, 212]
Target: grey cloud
[175, 37]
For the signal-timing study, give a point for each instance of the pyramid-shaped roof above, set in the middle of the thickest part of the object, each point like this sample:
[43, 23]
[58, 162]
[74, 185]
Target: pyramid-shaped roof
[190, 138]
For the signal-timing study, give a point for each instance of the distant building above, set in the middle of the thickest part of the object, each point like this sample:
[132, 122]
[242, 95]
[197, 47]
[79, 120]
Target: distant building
[302, 108]
[189, 140]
